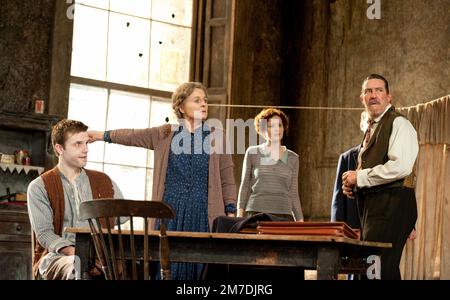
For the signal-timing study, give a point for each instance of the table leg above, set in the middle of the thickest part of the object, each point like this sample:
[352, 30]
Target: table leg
[82, 250]
[328, 263]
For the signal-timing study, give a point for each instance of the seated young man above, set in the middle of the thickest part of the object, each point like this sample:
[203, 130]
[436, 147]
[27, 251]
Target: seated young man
[54, 199]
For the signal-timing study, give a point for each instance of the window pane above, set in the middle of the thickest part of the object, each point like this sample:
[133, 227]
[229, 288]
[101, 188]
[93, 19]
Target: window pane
[160, 110]
[150, 159]
[125, 155]
[128, 50]
[138, 224]
[88, 105]
[96, 3]
[130, 180]
[139, 8]
[173, 11]
[169, 61]
[89, 42]
[149, 185]
[142, 43]
[127, 110]
[94, 166]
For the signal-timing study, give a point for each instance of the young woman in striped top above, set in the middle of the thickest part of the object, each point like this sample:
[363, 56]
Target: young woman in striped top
[269, 182]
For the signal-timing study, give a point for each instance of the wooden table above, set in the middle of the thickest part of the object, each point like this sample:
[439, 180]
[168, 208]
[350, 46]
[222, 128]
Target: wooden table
[329, 255]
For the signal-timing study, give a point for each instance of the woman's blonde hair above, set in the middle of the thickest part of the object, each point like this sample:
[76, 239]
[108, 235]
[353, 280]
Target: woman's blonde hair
[181, 93]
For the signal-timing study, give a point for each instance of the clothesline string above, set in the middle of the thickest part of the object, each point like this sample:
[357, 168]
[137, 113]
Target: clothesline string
[286, 107]
[292, 107]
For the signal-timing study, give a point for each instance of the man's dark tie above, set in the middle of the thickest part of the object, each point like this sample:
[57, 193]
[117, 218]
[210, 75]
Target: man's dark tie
[368, 134]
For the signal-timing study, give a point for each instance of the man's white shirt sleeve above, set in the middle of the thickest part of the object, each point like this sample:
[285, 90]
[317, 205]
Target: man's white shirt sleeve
[402, 153]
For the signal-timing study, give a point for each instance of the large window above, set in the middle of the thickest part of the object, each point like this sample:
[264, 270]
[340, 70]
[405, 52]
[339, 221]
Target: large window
[128, 56]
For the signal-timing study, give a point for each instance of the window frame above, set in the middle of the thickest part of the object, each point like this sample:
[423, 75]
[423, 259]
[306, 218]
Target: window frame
[152, 93]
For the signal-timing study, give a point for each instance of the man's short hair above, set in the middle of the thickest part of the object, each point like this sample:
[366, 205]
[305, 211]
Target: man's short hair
[377, 76]
[63, 128]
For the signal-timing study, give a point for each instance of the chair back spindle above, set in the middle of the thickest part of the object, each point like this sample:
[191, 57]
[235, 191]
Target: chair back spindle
[115, 247]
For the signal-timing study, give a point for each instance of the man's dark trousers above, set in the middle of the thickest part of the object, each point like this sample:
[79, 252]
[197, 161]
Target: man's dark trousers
[388, 215]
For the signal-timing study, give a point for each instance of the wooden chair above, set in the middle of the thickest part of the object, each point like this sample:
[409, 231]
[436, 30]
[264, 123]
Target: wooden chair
[116, 248]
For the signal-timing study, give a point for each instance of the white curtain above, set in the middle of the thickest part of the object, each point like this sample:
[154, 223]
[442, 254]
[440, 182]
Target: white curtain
[428, 256]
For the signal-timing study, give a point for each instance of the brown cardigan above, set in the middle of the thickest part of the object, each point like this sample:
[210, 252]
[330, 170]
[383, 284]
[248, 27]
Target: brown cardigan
[221, 184]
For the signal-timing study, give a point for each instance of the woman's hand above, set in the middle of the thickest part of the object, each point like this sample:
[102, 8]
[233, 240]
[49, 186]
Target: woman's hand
[95, 136]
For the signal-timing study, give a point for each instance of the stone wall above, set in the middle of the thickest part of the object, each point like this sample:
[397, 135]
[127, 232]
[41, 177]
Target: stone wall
[25, 52]
[316, 54]
[339, 46]
[257, 60]
[312, 53]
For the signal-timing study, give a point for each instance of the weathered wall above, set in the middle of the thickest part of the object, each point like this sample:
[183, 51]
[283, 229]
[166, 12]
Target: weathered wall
[316, 53]
[257, 60]
[339, 46]
[304, 53]
[25, 52]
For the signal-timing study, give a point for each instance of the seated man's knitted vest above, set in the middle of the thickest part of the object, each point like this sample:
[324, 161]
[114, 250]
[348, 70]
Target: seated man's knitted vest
[101, 186]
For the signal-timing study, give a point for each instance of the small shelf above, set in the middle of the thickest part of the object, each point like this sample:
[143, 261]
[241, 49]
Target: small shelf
[21, 168]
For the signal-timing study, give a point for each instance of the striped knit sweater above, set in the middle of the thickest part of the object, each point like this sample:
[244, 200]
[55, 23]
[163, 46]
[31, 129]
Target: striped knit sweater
[268, 186]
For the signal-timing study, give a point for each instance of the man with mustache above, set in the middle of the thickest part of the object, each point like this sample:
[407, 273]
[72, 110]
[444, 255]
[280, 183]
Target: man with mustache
[54, 199]
[387, 208]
